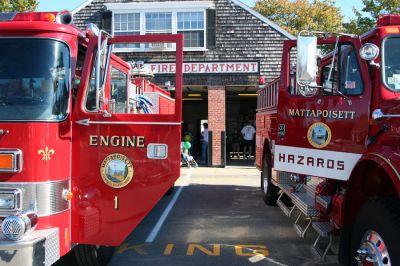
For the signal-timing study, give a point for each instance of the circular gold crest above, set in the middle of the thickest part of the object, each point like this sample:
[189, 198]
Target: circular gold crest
[319, 135]
[116, 170]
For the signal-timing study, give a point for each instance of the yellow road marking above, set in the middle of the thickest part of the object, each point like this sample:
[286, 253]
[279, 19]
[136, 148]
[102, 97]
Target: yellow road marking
[215, 252]
[136, 248]
[254, 249]
[168, 249]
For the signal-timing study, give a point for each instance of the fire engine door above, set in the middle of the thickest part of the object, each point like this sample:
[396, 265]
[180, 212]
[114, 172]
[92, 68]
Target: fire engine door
[324, 135]
[123, 160]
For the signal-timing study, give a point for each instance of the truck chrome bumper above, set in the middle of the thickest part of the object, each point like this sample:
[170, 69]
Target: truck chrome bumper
[40, 247]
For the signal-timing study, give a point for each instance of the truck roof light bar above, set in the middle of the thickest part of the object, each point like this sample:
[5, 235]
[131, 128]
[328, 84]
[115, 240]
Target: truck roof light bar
[7, 16]
[36, 16]
[63, 17]
[387, 20]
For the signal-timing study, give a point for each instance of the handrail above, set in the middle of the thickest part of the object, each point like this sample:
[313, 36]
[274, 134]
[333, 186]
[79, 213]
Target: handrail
[267, 98]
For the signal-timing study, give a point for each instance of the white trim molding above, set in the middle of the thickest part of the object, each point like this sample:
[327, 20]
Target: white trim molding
[264, 19]
[172, 6]
[81, 6]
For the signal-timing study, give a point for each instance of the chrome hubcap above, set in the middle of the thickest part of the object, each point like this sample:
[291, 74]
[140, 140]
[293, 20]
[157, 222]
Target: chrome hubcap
[373, 250]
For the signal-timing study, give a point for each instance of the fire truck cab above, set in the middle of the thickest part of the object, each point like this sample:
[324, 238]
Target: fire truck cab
[328, 139]
[87, 147]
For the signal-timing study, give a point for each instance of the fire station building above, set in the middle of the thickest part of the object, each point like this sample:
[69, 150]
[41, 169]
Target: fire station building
[227, 48]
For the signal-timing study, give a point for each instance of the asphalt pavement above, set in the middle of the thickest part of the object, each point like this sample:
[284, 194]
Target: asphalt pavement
[216, 217]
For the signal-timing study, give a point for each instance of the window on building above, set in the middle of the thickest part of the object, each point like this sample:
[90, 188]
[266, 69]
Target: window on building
[197, 25]
[127, 24]
[156, 23]
[191, 24]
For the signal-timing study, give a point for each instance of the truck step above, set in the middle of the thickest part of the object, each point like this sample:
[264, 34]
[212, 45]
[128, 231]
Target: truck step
[324, 201]
[324, 230]
[301, 231]
[285, 209]
[302, 195]
[306, 203]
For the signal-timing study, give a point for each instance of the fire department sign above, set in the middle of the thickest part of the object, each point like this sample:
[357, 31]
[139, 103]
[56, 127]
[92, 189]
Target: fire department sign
[239, 67]
[116, 170]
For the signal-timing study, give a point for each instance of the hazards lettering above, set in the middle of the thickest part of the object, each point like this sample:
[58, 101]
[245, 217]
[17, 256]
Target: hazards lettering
[311, 161]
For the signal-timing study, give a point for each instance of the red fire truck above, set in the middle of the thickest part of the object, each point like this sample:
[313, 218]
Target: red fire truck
[327, 141]
[87, 147]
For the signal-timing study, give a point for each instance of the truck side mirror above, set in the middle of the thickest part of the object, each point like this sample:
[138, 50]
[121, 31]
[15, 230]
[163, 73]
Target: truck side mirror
[306, 60]
[102, 63]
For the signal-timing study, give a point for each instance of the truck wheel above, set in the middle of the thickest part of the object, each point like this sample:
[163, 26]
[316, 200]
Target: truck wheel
[92, 255]
[170, 191]
[375, 239]
[268, 190]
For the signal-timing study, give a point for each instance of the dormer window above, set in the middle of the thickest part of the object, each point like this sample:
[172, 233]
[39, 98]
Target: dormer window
[187, 17]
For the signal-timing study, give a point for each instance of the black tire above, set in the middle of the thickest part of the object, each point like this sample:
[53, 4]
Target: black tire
[170, 191]
[270, 192]
[381, 217]
[91, 255]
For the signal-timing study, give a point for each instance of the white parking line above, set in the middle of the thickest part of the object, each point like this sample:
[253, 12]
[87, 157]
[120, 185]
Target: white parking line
[260, 257]
[153, 234]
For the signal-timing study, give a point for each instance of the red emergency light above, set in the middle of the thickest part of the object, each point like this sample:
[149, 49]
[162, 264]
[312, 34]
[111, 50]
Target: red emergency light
[387, 20]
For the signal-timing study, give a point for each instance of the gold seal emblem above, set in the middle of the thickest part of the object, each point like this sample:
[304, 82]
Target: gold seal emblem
[116, 170]
[319, 135]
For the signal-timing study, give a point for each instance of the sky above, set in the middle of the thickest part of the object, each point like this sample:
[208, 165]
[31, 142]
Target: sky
[54, 5]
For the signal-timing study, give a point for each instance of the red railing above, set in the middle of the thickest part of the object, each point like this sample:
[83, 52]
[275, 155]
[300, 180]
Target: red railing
[267, 98]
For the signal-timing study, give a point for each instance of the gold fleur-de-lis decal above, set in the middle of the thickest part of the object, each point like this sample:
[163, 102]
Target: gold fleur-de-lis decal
[46, 153]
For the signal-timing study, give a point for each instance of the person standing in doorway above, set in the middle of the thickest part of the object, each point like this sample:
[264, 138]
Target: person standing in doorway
[204, 145]
[235, 139]
[248, 132]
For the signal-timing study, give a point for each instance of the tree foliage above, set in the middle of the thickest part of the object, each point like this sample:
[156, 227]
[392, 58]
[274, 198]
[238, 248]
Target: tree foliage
[366, 18]
[18, 5]
[297, 15]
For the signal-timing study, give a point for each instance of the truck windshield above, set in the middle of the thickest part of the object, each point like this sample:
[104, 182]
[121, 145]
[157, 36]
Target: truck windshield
[34, 79]
[391, 63]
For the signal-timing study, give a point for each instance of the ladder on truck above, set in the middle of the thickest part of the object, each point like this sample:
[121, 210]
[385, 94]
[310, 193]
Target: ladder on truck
[301, 192]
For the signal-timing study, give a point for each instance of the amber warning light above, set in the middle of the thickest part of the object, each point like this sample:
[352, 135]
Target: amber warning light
[6, 161]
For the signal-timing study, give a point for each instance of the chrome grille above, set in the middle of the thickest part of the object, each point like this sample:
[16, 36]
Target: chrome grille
[44, 198]
[52, 247]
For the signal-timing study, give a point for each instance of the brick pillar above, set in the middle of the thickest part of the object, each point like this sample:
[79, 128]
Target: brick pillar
[216, 120]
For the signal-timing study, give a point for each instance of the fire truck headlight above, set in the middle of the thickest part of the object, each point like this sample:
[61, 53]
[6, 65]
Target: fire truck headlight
[7, 201]
[16, 226]
[10, 199]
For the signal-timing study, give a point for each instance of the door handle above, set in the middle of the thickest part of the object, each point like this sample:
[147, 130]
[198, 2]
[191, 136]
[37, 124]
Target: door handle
[377, 114]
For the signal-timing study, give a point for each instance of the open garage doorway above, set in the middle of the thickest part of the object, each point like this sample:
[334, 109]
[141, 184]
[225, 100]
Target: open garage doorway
[241, 104]
[194, 111]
